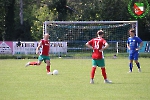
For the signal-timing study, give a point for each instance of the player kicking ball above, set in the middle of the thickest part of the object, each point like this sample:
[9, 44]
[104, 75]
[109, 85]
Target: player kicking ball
[44, 55]
[98, 45]
[134, 44]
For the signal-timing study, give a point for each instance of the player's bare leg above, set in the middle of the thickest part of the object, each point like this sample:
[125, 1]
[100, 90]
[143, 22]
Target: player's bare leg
[33, 63]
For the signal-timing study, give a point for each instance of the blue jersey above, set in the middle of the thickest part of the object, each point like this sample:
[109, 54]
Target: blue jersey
[133, 43]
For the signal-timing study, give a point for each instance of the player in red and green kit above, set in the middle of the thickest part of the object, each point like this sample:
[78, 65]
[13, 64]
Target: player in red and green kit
[44, 54]
[98, 45]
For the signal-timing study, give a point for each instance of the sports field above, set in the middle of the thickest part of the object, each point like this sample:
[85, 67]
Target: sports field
[72, 83]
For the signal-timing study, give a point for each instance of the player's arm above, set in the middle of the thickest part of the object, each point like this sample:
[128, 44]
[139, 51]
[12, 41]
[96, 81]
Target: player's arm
[128, 46]
[141, 44]
[88, 45]
[39, 45]
[105, 47]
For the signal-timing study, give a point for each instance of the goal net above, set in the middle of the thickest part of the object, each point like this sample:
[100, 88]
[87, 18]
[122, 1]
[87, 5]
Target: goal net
[77, 33]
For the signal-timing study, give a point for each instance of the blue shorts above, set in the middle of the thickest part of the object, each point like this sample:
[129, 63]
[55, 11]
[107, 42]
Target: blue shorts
[134, 56]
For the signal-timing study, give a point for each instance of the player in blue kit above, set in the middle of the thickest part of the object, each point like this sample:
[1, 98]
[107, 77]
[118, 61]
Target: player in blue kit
[134, 44]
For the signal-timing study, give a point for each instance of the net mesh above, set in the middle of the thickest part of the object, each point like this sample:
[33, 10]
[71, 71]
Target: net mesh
[77, 34]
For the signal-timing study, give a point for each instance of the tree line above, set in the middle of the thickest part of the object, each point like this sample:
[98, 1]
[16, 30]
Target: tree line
[24, 22]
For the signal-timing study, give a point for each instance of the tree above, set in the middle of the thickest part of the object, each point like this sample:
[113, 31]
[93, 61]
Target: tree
[4, 9]
[10, 21]
[42, 14]
[35, 12]
[115, 10]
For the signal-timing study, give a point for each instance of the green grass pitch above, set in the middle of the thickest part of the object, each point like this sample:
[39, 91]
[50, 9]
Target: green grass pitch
[72, 83]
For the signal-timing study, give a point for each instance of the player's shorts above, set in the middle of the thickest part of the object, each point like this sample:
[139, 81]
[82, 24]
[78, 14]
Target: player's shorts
[134, 56]
[42, 57]
[98, 62]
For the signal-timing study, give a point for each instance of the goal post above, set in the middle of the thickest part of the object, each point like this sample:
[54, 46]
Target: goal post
[77, 33]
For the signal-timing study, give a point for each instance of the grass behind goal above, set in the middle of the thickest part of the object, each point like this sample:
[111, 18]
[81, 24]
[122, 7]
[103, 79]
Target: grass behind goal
[72, 83]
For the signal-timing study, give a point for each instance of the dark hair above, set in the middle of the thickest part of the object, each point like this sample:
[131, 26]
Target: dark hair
[132, 30]
[100, 32]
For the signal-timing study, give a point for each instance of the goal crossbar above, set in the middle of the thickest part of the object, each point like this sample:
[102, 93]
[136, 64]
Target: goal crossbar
[48, 22]
[84, 22]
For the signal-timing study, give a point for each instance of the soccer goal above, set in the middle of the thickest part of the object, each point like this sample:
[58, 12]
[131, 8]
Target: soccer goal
[77, 33]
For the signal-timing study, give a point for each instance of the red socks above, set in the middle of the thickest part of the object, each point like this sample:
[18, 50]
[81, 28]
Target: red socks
[93, 72]
[104, 73]
[36, 63]
[48, 68]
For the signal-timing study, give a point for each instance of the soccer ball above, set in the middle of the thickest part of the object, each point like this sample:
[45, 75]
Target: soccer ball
[55, 72]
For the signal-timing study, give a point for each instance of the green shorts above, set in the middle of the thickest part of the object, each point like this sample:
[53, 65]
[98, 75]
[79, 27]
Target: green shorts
[98, 62]
[42, 57]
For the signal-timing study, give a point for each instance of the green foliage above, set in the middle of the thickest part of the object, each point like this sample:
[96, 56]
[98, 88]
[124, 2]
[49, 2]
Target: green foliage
[9, 21]
[42, 14]
[116, 10]
[85, 10]
[4, 10]
[35, 12]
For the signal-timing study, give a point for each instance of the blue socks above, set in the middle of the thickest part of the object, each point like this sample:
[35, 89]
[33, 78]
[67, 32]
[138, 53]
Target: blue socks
[130, 66]
[138, 65]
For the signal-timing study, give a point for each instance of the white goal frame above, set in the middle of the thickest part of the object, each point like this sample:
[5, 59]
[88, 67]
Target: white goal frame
[84, 22]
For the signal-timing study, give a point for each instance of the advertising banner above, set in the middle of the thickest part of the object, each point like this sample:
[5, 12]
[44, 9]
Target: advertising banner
[24, 48]
[30, 47]
[6, 47]
[146, 44]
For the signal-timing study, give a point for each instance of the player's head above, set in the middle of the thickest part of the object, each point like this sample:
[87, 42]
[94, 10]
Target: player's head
[132, 32]
[100, 33]
[46, 36]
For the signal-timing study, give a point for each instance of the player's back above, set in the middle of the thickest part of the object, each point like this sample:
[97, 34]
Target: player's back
[97, 45]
